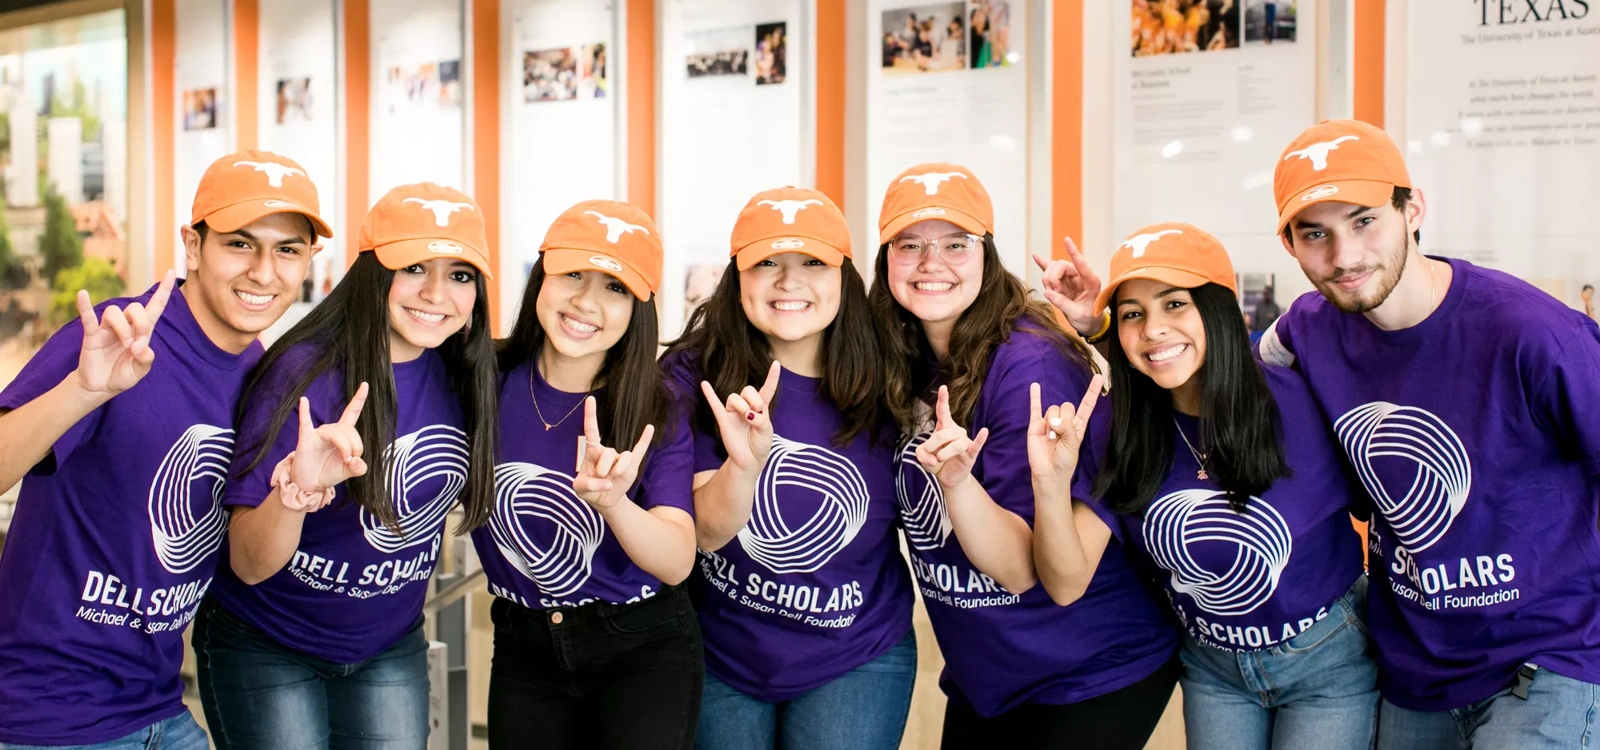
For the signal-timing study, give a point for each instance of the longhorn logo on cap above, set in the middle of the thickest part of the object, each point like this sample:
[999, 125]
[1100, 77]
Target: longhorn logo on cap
[931, 180]
[275, 172]
[615, 227]
[441, 209]
[1139, 242]
[1317, 153]
[790, 208]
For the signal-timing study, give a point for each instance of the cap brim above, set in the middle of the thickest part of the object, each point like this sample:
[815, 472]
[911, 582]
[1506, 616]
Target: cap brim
[1369, 193]
[398, 255]
[564, 260]
[240, 215]
[1173, 276]
[756, 252]
[958, 218]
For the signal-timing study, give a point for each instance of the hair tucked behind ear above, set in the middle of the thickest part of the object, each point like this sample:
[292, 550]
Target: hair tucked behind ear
[349, 332]
[1003, 303]
[630, 390]
[732, 353]
[1239, 421]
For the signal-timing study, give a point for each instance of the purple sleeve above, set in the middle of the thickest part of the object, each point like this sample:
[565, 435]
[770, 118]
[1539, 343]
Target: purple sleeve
[669, 472]
[1277, 344]
[1004, 460]
[252, 487]
[1094, 446]
[1569, 395]
[52, 364]
[683, 379]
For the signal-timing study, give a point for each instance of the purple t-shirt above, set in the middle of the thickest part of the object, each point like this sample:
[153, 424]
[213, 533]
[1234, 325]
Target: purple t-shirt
[814, 585]
[544, 547]
[354, 587]
[1251, 580]
[1002, 649]
[115, 539]
[1474, 432]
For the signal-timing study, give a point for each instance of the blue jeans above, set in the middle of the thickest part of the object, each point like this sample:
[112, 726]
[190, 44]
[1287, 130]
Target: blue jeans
[261, 695]
[177, 733]
[866, 708]
[1317, 691]
[1559, 712]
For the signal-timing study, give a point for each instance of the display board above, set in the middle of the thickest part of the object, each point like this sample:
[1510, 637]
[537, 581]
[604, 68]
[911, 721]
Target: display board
[298, 115]
[561, 99]
[948, 82]
[201, 94]
[735, 120]
[418, 126]
[1207, 95]
[1503, 135]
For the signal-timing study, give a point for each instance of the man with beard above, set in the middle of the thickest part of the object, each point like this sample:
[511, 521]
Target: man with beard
[1463, 398]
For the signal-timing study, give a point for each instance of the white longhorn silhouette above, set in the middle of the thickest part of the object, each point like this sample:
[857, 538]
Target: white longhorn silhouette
[1141, 241]
[1318, 152]
[931, 180]
[615, 227]
[441, 209]
[790, 208]
[275, 172]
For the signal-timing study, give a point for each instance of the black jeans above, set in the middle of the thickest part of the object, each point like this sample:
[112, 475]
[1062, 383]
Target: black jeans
[1120, 720]
[598, 676]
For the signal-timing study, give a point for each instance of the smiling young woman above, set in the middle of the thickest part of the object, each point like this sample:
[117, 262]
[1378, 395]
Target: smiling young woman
[1222, 473]
[961, 339]
[794, 457]
[595, 641]
[359, 432]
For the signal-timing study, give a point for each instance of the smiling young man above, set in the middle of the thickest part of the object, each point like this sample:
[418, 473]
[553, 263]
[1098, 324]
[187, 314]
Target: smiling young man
[120, 430]
[1461, 396]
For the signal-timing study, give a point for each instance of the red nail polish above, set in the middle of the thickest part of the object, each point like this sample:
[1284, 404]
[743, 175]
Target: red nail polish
[750, 416]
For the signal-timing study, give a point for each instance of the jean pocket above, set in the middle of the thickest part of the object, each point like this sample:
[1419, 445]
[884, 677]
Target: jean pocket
[1338, 620]
[648, 615]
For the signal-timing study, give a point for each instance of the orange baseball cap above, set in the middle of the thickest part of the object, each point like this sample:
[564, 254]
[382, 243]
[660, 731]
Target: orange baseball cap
[935, 191]
[1179, 254]
[420, 222]
[790, 219]
[610, 237]
[1348, 161]
[242, 187]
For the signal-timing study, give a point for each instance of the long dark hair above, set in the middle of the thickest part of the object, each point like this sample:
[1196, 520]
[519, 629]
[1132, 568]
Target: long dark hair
[630, 389]
[1003, 301]
[732, 353]
[1239, 420]
[349, 331]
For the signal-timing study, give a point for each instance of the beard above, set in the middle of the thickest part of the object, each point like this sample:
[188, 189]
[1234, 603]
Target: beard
[1385, 277]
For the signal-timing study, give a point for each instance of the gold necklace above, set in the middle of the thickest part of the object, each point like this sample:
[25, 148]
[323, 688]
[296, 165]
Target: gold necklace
[1199, 458]
[531, 394]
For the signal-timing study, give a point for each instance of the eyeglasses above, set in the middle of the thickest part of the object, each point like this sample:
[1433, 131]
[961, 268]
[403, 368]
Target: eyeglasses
[954, 249]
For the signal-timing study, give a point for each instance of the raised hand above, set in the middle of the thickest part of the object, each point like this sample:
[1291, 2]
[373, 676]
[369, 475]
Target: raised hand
[116, 351]
[744, 422]
[604, 475]
[1072, 286]
[1054, 436]
[948, 453]
[328, 455]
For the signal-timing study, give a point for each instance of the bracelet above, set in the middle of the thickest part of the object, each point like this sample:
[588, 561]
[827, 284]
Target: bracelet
[1105, 328]
[290, 493]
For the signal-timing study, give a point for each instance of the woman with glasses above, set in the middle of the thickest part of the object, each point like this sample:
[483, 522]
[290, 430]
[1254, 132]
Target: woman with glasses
[961, 340]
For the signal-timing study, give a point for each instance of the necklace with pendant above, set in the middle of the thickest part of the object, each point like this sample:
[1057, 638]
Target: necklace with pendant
[1199, 458]
[535, 397]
